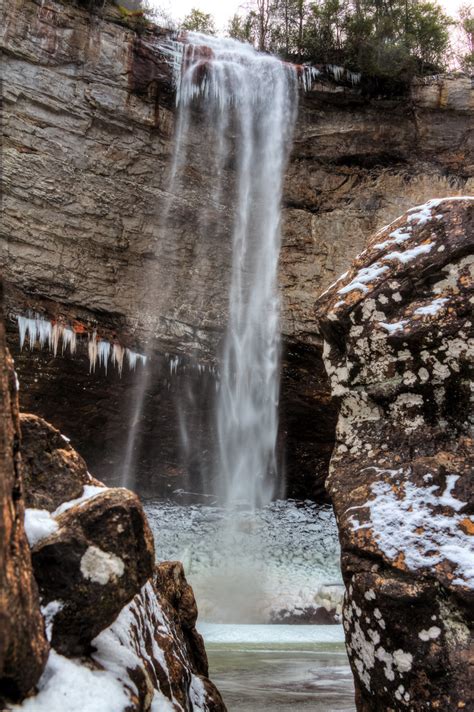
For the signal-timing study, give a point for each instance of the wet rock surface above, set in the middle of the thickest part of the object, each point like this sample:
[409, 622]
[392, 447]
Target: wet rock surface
[23, 644]
[399, 353]
[88, 140]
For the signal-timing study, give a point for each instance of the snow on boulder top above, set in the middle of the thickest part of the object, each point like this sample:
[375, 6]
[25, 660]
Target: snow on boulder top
[414, 241]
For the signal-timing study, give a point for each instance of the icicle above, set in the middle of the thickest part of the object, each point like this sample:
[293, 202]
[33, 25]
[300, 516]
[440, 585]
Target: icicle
[132, 359]
[93, 352]
[44, 331]
[117, 357]
[54, 341]
[103, 351]
[354, 77]
[22, 330]
[32, 332]
[308, 75]
[174, 363]
[36, 328]
[337, 72]
[49, 333]
[69, 339]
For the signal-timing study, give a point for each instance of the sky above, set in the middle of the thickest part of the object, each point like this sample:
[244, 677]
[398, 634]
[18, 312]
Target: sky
[222, 10]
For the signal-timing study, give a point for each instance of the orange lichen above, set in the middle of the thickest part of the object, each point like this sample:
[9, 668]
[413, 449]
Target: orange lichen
[467, 525]
[79, 328]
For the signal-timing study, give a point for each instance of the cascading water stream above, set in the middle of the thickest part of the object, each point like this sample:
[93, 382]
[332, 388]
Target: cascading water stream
[241, 105]
[249, 103]
[251, 100]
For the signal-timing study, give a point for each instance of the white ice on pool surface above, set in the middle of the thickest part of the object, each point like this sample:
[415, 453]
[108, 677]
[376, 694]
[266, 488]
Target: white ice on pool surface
[282, 557]
[222, 633]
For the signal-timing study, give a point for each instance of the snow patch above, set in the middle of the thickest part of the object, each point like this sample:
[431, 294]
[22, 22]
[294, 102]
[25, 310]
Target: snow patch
[88, 492]
[101, 566]
[49, 612]
[409, 255]
[39, 524]
[363, 277]
[396, 326]
[408, 522]
[69, 684]
[431, 309]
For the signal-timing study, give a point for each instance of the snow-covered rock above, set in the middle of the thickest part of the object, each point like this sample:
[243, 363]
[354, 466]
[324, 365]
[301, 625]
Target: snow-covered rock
[399, 350]
[122, 631]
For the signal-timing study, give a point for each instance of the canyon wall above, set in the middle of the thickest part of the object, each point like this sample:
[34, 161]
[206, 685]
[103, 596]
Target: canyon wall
[89, 115]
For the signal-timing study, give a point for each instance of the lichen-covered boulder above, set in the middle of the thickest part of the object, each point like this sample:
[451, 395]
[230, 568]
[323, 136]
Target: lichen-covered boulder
[99, 553]
[399, 352]
[23, 644]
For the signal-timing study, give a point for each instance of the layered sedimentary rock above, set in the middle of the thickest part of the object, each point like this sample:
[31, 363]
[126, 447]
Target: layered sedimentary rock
[23, 644]
[89, 124]
[399, 352]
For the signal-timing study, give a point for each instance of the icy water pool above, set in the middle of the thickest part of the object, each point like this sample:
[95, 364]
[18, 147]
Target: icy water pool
[280, 668]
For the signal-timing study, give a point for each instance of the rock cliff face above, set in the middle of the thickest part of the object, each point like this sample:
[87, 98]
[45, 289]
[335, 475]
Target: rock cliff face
[399, 353]
[89, 121]
[23, 644]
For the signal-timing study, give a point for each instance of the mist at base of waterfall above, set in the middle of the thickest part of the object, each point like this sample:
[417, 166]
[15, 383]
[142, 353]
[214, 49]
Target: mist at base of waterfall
[247, 566]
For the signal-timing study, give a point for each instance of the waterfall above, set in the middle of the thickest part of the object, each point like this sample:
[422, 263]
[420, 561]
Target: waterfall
[251, 100]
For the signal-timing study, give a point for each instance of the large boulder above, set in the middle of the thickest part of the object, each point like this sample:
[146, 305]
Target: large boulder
[23, 644]
[53, 471]
[399, 353]
[100, 555]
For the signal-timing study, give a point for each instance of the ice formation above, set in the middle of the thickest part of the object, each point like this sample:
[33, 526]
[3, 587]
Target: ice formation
[44, 332]
[282, 557]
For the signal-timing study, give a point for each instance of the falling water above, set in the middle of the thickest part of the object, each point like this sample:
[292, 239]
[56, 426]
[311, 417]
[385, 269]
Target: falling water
[251, 97]
[242, 105]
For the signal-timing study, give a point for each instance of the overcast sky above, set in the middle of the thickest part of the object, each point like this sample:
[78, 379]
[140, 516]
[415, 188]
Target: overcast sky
[222, 10]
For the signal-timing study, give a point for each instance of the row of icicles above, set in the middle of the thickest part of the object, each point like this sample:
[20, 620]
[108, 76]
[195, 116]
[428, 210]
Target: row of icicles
[48, 333]
[42, 332]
